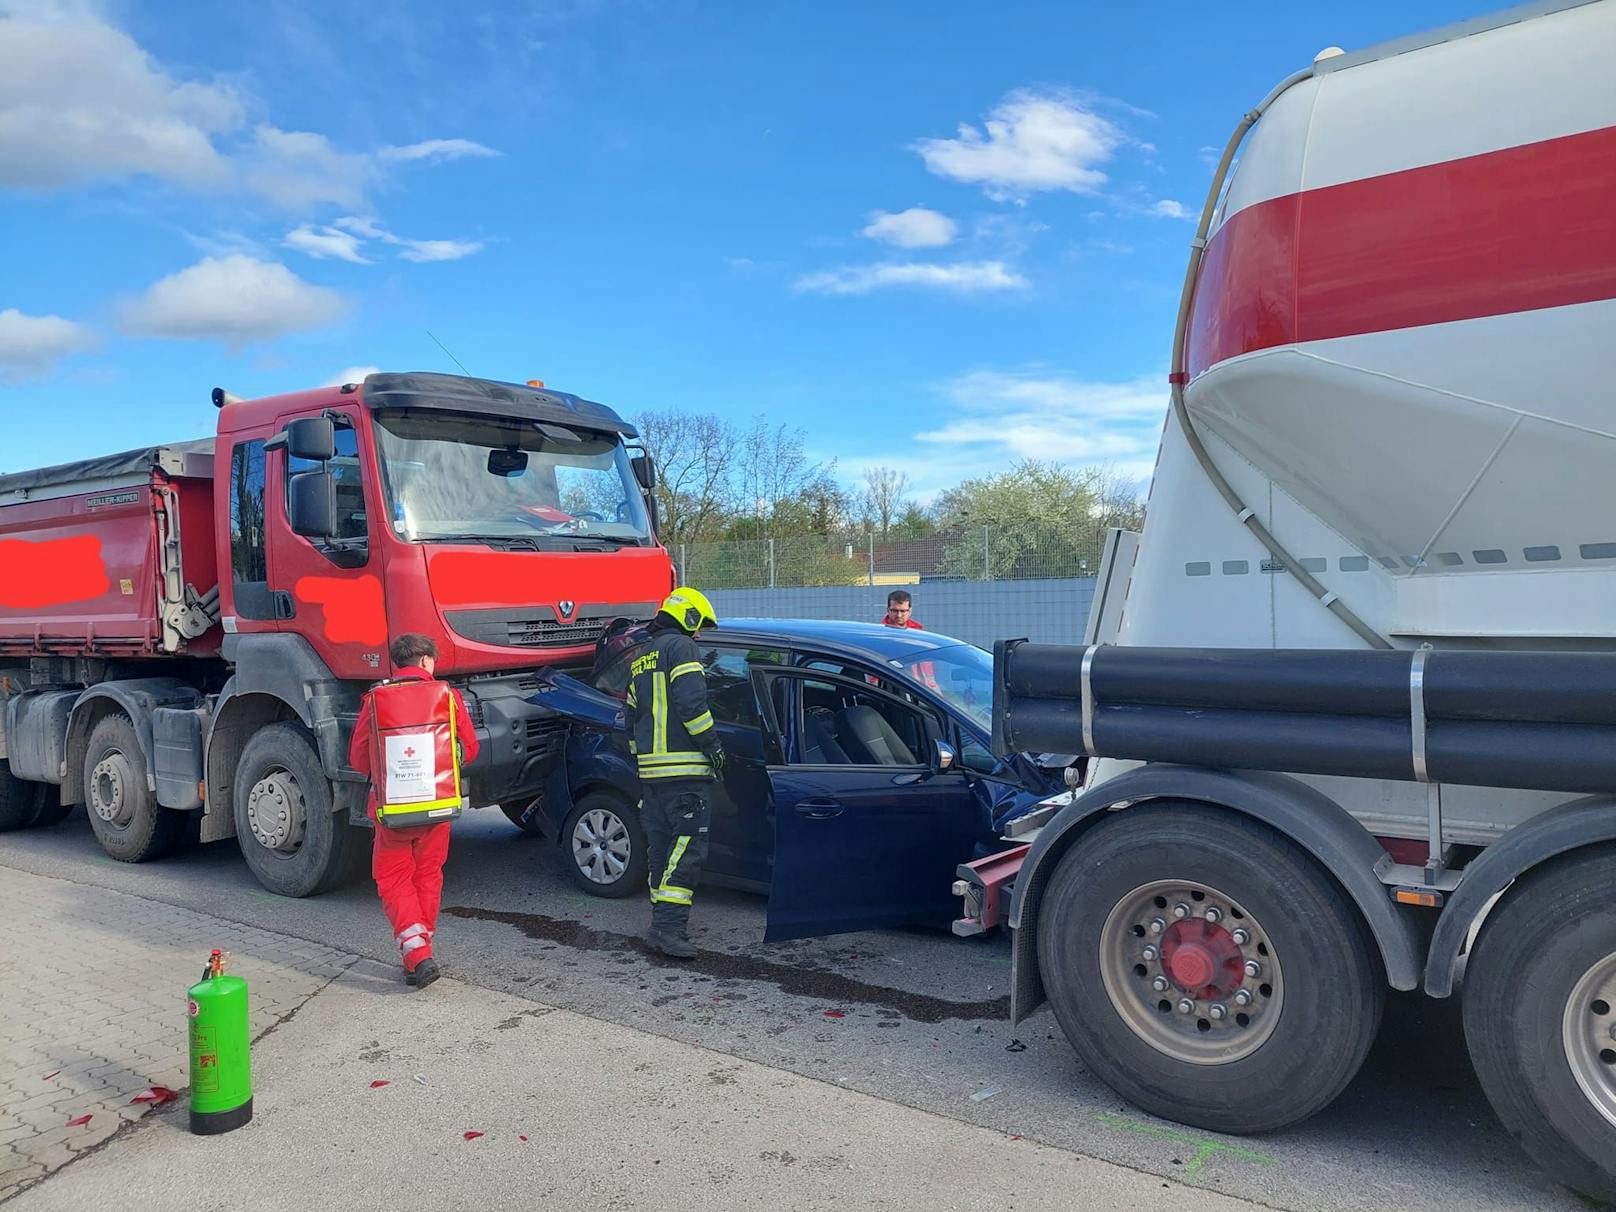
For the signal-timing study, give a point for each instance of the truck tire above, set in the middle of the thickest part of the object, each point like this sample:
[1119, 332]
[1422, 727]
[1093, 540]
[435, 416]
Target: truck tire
[292, 840]
[51, 809]
[526, 814]
[19, 801]
[1540, 1018]
[1205, 968]
[130, 824]
[604, 845]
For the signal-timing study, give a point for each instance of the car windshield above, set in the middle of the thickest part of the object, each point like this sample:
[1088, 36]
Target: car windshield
[961, 674]
[451, 476]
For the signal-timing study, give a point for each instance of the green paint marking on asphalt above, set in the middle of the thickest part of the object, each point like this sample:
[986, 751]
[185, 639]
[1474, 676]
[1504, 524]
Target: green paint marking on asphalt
[1205, 1148]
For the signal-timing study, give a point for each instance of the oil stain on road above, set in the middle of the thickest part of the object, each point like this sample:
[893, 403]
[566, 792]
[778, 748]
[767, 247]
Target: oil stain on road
[787, 977]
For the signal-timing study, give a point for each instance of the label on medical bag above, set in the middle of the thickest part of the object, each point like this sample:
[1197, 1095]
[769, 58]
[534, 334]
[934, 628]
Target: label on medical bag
[412, 768]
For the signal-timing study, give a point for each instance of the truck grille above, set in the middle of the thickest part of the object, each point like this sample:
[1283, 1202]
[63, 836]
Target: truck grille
[539, 627]
[545, 735]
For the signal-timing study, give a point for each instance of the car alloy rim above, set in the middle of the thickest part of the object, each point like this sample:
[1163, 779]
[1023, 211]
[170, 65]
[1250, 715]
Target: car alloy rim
[109, 789]
[1191, 972]
[1589, 1034]
[276, 812]
[601, 846]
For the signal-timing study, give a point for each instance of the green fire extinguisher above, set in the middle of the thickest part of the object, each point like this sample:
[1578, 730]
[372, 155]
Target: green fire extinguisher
[221, 1072]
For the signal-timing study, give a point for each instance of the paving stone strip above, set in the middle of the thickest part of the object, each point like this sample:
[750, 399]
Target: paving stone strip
[92, 1009]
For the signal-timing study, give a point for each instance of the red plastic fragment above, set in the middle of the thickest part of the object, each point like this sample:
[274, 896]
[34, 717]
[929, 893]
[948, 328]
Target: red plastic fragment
[835, 1014]
[379, 1083]
[80, 1121]
[156, 1095]
[471, 1135]
[51, 1074]
[522, 1138]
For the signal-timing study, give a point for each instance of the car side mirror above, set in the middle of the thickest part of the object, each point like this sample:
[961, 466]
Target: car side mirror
[311, 504]
[312, 438]
[944, 757]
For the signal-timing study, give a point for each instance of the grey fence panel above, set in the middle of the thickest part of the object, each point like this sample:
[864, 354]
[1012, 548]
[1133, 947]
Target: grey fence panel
[1050, 611]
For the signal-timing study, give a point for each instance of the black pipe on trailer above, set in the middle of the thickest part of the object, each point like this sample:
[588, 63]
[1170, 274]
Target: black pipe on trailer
[1536, 721]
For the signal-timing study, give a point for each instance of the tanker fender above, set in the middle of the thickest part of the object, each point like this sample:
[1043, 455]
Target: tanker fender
[1573, 825]
[1307, 816]
[139, 699]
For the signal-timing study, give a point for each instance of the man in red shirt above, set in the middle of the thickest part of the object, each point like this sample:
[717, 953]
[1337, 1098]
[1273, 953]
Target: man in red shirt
[899, 606]
[408, 863]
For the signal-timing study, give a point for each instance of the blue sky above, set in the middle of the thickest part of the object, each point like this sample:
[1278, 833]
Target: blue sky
[937, 236]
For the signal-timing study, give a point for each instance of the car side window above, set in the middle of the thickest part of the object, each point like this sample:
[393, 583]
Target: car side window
[846, 725]
[974, 755]
[729, 682]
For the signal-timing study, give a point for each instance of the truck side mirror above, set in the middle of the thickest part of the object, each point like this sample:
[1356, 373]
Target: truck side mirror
[311, 504]
[644, 470]
[311, 438]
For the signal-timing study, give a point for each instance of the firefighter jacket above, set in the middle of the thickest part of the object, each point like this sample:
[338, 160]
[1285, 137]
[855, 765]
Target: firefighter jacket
[670, 725]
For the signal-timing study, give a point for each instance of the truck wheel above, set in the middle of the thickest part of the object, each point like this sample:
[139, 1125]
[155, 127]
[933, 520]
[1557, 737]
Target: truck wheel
[605, 845]
[1206, 969]
[19, 801]
[128, 821]
[293, 841]
[525, 814]
[1540, 1018]
[51, 809]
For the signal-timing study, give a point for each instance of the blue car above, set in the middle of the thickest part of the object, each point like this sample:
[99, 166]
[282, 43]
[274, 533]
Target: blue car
[858, 772]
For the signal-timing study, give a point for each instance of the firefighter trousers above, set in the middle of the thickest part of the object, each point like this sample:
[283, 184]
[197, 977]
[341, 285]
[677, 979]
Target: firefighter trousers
[675, 814]
[408, 866]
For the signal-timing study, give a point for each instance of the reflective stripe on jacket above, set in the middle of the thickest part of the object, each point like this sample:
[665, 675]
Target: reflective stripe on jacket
[671, 726]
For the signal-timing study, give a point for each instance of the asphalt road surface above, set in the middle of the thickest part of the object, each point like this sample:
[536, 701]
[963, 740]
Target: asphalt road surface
[917, 1017]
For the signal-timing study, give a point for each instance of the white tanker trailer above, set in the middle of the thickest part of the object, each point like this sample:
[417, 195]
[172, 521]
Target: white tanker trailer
[1355, 724]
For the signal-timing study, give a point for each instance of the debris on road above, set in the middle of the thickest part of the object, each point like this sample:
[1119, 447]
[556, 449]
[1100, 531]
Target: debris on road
[981, 1096]
[80, 1121]
[379, 1083]
[470, 1135]
[156, 1095]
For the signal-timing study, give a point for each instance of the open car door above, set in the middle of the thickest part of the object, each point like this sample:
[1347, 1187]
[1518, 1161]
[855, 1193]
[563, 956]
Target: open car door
[872, 812]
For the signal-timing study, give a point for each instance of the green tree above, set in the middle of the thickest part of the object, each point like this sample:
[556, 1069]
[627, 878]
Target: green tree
[1037, 519]
[913, 523]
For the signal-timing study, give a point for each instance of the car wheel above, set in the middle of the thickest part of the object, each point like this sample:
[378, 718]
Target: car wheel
[1199, 962]
[19, 801]
[604, 845]
[526, 814]
[130, 824]
[292, 840]
[1540, 1018]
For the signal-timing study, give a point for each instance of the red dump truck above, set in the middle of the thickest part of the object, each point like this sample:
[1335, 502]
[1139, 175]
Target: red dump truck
[186, 630]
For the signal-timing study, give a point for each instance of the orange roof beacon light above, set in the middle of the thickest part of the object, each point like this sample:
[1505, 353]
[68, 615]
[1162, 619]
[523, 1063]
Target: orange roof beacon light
[535, 382]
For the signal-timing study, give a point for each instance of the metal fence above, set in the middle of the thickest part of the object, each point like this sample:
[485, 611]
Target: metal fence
[975, 585]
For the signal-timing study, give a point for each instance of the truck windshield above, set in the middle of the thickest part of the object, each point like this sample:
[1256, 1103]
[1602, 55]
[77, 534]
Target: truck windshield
[455, 477]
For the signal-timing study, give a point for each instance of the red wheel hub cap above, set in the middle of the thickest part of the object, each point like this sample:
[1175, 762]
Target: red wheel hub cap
[1201, 958]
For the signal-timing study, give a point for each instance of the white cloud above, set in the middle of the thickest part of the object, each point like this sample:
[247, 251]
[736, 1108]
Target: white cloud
[964, 277]
[1031, 141]
[80, 101]
[916, 227]
[31, 345]
[1038, 416]
[1169, 209]
[323, 242]
[234, 299]
[354, 374]
[439, 250]
[436, 151]
[357, 228]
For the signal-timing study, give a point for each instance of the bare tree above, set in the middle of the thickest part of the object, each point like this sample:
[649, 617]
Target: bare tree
[884, 498]
[695, 455]
[773, 468]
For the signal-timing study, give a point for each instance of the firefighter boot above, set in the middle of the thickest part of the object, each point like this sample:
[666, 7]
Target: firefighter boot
[670, 931]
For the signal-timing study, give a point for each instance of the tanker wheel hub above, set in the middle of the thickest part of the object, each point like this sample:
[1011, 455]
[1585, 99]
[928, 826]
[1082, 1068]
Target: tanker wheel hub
[110, 785]
[276, 812]
[1202, 959]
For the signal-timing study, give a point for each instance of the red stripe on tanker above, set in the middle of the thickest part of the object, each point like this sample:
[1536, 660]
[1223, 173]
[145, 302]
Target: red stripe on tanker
[51, 572]
[1521, 229]
[354, 610]
[490, 578]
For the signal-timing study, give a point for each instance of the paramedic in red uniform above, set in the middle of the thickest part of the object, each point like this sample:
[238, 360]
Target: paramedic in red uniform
[899, 606]
[408, 863]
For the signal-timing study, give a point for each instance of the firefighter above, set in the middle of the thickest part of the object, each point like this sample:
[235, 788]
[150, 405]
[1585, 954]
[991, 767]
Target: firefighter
[678, 754]
[407, 863]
